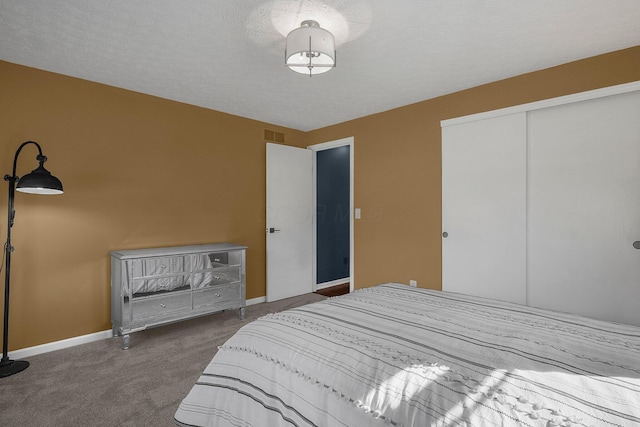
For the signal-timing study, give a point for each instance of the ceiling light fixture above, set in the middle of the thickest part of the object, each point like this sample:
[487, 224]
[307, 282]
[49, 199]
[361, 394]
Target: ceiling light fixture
[310, 49]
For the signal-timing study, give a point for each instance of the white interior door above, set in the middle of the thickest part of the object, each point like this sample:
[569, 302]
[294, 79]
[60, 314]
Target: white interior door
[584, 208]
[484, 208]
[289, 221]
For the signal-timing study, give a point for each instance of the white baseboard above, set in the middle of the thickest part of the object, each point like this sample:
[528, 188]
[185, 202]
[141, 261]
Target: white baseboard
[58, 345]
[258, 300]
[84, 339]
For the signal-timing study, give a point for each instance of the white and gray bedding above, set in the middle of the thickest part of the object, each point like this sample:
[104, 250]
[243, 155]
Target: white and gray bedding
[401, 356]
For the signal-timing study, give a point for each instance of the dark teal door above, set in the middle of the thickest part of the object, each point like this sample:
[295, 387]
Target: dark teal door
[333, 221]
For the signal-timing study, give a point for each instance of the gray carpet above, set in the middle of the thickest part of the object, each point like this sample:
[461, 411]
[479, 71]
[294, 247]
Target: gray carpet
[98, 384]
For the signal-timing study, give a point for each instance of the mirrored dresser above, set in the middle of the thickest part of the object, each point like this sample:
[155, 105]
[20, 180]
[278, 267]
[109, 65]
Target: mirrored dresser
[155, 286]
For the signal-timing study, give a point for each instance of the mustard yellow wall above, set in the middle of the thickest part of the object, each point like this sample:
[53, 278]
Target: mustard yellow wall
[140, 171]
[398, 164]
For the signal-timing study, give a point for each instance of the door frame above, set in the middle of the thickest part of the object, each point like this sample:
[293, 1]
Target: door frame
[349, 141]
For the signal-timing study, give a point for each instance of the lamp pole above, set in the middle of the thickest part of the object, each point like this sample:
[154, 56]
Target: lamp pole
[16, 366]
[39, 181]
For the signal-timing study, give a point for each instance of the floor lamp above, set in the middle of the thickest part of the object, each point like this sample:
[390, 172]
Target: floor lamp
[39, 181]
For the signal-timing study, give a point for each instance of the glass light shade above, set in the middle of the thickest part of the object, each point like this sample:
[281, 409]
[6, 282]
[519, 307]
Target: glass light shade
[39, 181]
[310, 49]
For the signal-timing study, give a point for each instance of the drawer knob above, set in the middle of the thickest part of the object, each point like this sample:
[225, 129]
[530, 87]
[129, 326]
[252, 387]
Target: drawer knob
[163, 305]
[163, 266]
[216, 277]
[216, 259]
[217, 295]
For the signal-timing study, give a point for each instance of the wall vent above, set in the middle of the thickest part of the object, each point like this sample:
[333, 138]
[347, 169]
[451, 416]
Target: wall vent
[273, 136]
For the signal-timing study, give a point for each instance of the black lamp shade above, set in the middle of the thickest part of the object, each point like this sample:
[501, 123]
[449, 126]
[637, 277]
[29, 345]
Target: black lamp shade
[39, 181]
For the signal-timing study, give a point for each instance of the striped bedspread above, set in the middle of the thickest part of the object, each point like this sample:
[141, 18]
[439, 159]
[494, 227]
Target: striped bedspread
[393, 355]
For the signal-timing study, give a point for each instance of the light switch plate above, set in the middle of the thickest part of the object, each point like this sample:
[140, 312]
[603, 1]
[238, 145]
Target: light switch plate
[358, 213]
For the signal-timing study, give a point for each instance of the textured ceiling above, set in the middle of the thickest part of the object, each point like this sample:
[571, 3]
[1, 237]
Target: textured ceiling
[228, 55]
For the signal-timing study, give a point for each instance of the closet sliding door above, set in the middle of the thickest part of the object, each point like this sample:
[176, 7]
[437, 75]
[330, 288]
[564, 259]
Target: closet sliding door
[584, 208]
[484, 208]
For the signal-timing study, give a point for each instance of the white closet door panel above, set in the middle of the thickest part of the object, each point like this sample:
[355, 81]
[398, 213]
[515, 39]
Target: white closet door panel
[584, 208]
[484, 208]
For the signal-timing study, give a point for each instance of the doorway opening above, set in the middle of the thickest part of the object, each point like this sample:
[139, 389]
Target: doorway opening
[333, 228]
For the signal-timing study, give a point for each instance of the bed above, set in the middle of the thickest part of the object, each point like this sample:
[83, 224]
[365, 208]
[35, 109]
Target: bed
[402, 356]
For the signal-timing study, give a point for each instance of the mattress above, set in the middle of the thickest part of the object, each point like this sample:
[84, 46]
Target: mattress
[402, 356]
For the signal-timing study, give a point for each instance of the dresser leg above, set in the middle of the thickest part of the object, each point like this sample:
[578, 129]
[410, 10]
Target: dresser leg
[125, 342]
[241, 313]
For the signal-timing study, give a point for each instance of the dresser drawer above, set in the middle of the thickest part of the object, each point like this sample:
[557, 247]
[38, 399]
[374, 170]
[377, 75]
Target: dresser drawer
[215, 277]
[155, 306]
[219, 259]
[217, 295]
[209, 261]
[159, 266]
[149, 285]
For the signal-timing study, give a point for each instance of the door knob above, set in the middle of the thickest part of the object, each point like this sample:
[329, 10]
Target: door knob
[636, 244]
[445, 234]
